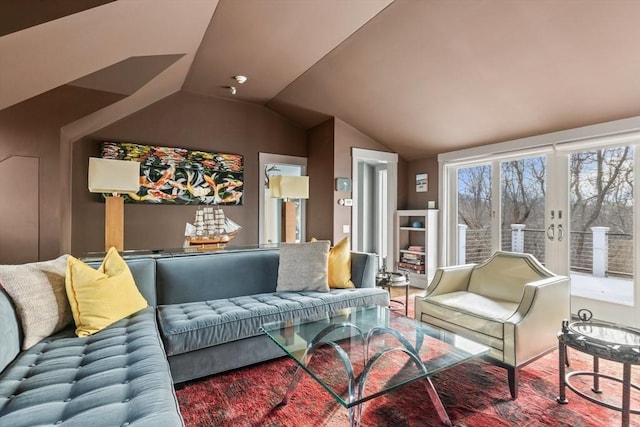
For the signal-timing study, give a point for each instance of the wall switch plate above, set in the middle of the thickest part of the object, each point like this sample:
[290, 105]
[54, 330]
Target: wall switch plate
[348, 202]
[346, 229]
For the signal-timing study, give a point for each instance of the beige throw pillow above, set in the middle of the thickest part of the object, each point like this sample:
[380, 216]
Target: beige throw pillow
[38, 293]
[303, 267]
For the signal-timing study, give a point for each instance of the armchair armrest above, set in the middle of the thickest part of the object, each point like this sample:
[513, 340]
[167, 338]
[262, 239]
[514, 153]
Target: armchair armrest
[450, 279]
[534, 325]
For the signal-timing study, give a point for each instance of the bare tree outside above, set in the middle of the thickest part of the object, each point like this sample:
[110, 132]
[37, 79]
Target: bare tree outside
[523, 189]
[474, 210]
[601, 195]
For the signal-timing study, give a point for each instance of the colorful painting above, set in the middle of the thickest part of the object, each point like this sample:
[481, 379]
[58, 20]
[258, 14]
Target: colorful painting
[180, 176]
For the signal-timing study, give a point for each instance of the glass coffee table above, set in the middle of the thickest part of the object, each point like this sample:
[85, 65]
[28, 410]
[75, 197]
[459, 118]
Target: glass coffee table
[358, 354]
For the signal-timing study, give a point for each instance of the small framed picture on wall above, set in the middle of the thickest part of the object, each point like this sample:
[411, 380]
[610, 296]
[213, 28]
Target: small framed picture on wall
[422, 182]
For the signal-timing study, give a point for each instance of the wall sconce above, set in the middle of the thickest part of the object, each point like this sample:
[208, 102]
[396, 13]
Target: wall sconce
[289, 187]
[115, 177]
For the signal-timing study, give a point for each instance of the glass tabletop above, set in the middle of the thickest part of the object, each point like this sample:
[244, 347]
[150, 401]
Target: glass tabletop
[357, 354]
[607, 333]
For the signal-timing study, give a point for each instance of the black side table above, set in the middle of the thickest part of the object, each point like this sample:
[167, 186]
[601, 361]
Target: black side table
[385, 280]
[601, 340]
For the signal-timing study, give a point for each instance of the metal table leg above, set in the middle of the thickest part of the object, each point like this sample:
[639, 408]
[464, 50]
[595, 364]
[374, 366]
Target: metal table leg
[626, 393]
[596, 378]
[562, 355]
[406, 300]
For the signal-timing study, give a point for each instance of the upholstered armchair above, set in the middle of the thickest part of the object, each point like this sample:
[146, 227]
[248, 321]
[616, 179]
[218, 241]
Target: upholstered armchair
[510, 303]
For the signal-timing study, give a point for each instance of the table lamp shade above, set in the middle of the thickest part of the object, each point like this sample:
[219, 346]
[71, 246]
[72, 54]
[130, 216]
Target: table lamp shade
[113, 176]
[289, 187]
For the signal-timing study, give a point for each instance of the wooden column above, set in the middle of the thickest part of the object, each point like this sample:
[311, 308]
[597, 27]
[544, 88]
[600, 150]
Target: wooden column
[114, 223]
[288, 222]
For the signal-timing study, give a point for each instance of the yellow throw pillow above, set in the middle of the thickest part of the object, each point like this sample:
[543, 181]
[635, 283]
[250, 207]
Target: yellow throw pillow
[340, 265]
[101, 297]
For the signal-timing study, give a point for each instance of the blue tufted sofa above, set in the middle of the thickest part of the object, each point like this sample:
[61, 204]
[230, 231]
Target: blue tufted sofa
[116, 377]
[210, 307]
[204, 318]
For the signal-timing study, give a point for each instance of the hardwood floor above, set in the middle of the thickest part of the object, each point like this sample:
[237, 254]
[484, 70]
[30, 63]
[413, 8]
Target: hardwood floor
[398, 294]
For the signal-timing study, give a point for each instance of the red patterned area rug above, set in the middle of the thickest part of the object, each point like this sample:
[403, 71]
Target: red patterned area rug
[473, 393]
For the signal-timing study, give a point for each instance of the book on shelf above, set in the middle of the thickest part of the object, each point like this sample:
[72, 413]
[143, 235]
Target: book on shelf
[415, 248]
[411, 256]
[415, 268]
[412, 261]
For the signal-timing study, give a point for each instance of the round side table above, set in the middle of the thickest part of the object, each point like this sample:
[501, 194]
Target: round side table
[600, 340]
[388, 280]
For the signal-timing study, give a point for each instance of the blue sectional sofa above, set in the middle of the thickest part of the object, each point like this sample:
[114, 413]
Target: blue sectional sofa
[204, 318]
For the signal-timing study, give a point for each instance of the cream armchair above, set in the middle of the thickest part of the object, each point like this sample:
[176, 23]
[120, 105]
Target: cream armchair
[510, 303]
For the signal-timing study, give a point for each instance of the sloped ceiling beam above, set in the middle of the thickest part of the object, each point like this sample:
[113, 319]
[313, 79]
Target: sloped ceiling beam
[19, 15]
[77, 45]
[272, 42]
[127, 76]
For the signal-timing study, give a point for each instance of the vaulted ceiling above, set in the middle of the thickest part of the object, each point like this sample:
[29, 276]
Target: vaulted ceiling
[419, 76]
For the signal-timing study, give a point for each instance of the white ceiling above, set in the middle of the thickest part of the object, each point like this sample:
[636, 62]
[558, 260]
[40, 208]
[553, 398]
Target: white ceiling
[421, 77]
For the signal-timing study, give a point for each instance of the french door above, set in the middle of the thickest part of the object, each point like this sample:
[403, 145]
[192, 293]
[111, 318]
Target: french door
[600, 195]
[501, 205]
[571, 205]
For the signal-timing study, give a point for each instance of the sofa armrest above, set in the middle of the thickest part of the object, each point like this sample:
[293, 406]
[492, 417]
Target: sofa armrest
[536, 322]
[363, 269]
[450, 279]
[10, 331]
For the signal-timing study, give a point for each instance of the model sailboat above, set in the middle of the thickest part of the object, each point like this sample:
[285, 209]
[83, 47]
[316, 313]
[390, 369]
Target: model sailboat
[212, 227]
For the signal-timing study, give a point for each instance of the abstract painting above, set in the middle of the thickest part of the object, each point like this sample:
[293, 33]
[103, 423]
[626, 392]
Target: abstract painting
[181, 176]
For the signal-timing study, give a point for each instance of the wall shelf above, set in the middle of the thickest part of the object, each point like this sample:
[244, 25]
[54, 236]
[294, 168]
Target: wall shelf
[417, 247]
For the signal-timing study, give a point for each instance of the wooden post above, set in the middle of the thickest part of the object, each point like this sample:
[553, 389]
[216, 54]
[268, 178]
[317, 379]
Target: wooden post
[288, 222]
[600, 263]
[114, 223]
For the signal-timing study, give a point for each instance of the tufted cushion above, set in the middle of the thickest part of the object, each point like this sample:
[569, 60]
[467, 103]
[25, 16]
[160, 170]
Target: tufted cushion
[193, 326]
[116, 377]
[37, 291]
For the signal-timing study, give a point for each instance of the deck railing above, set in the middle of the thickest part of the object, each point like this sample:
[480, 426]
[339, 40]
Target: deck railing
[598, 252]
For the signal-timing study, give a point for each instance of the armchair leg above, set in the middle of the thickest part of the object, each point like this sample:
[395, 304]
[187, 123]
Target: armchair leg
[513, 375]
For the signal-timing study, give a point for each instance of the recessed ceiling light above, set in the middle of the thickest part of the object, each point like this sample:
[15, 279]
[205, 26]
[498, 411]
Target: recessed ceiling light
[233, 90]
[241, 79]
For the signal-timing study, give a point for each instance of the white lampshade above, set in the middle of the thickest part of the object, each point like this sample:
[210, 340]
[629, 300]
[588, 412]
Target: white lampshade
[289, 187]
[113, 176]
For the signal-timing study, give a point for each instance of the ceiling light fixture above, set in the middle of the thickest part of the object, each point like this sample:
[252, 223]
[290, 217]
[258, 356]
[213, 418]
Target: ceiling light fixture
[233, 90]
[241, 79]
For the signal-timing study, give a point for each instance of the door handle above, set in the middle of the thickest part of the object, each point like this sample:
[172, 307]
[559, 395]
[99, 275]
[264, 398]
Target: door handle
[560, 232]
[551, 232]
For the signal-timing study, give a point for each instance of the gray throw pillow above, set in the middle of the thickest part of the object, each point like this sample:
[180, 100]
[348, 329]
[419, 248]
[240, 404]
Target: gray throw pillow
[39, 296]
[303, 267]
